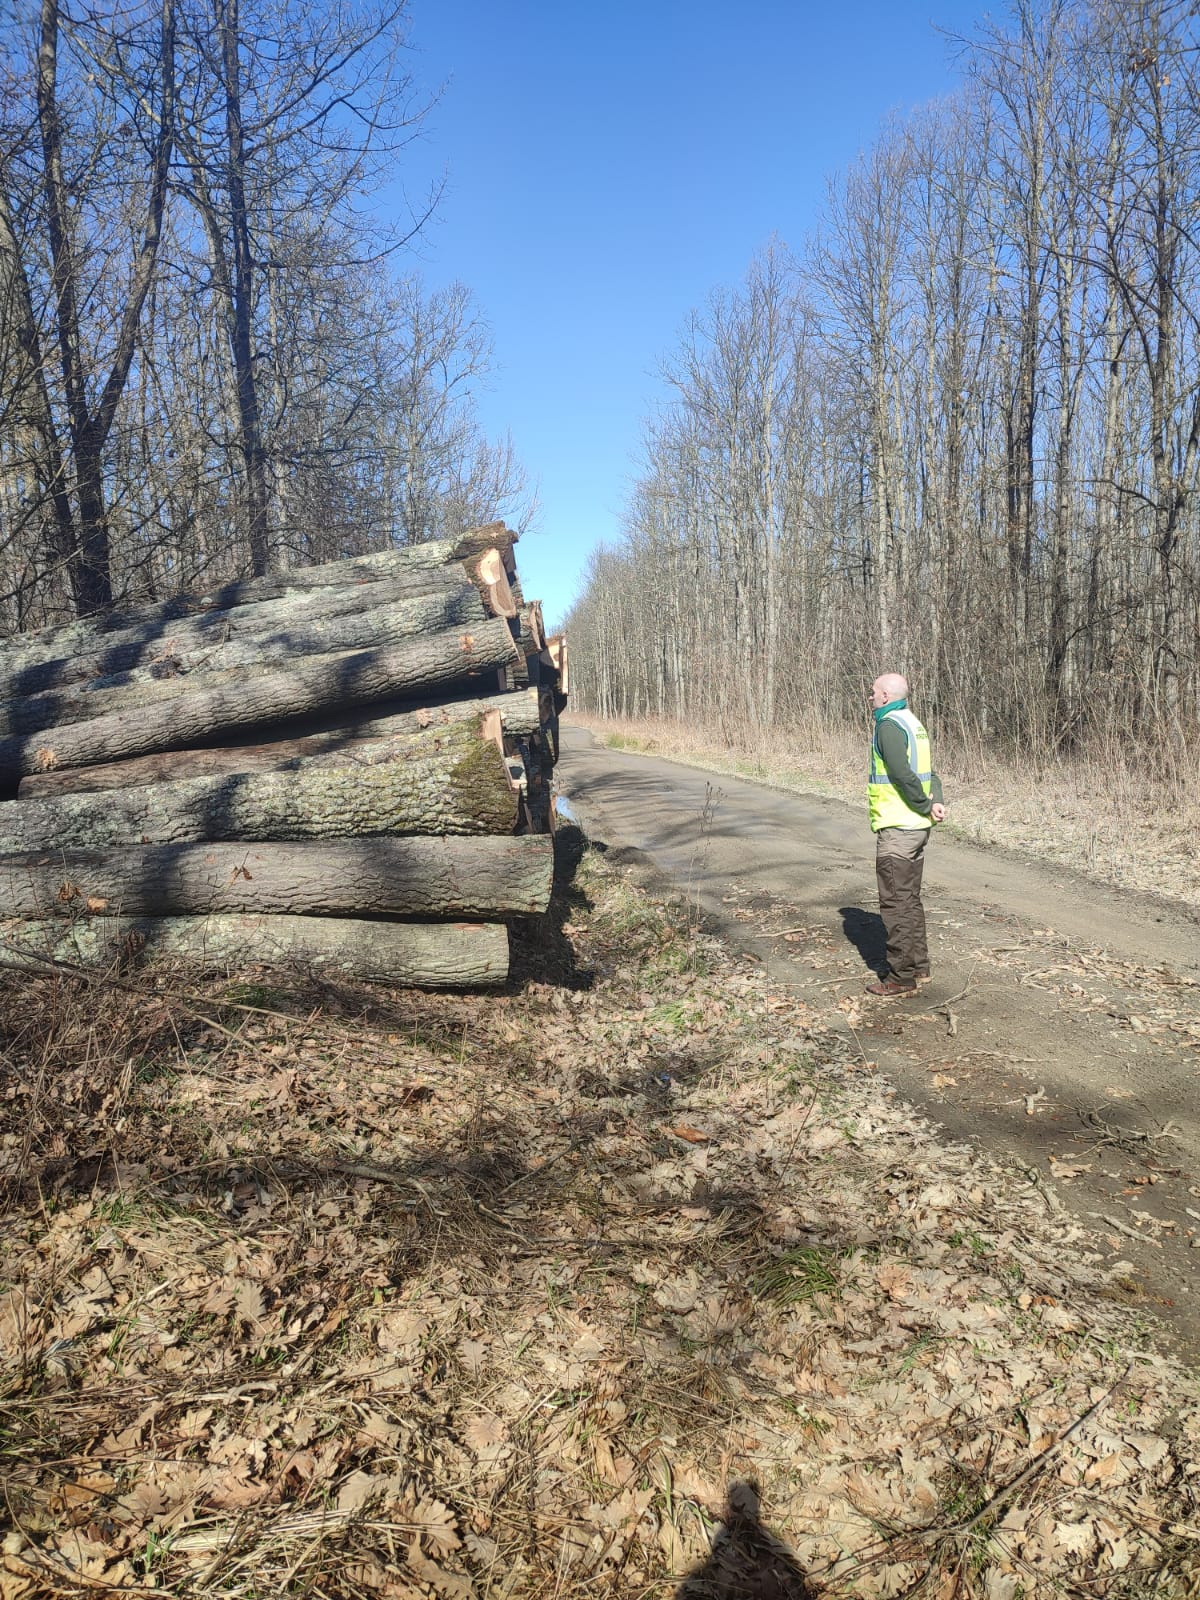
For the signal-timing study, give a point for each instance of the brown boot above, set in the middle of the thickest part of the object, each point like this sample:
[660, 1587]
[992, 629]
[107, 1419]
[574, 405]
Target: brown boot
[890, 988]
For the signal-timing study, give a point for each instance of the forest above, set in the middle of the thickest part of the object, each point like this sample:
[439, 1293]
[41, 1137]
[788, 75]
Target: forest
[956, 433]
[215, 359]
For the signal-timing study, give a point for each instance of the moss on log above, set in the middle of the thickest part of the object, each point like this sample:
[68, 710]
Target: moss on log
[416, 955]
[452, 783]
[519, 713]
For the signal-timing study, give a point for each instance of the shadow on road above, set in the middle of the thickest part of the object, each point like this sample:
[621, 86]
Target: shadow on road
[866, 932]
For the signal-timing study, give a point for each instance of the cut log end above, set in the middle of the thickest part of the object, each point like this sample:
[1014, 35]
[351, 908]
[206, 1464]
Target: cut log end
[494, 585]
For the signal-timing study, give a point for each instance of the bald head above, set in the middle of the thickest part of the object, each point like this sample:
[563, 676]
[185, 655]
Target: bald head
[888, 686]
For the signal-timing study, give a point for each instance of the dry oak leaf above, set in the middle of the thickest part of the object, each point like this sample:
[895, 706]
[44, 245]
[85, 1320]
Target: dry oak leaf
[485, 1432]
[471, 1353]
[45, 759]
[1102, 1469]
[895, 1280]
[357, 1491]
[248, 1300]
[436, 1525]
[401, 1328]
[679, 1293]
[1077, 1537]
[449, 1584]
[482, 1549]
[692, 1135]
[1151, 1449]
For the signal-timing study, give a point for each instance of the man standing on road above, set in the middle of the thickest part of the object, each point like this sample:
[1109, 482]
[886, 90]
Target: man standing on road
[905, 796]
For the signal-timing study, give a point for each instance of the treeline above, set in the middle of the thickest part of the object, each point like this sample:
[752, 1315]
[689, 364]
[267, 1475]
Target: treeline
[959, 435]
[209, 362]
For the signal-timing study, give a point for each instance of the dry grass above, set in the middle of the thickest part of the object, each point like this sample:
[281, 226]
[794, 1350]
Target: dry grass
[327, 1292]
[1119, 822]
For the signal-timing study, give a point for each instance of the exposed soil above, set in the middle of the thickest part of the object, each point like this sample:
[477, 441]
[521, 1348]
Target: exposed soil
[1062, 1026]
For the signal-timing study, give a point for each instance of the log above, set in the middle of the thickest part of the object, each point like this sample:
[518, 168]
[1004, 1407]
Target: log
[520, 715]
[162, 649]
[417, 955]
[557, 647]
[454, 782]
[533, 626]
[404, 566]
[492, 576]
[204, 665]
[311, 683]
[459, 877]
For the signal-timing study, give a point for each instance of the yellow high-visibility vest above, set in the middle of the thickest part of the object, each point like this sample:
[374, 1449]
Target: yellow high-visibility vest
[889, 808]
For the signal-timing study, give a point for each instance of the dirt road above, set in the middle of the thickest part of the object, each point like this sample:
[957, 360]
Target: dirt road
[1062, 1026]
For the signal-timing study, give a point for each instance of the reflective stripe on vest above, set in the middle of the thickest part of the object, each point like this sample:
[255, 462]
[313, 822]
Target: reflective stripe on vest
[889, 808]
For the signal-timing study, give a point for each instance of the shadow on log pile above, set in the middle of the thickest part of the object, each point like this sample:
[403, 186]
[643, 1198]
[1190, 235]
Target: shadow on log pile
[292, 769]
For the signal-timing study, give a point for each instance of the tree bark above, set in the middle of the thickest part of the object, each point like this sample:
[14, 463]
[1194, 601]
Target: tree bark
[417, 569]
[455, 784]
[459, 877]
[417, 955]
[122, 641]
[520, 714]
[311, 684]
[185, 667]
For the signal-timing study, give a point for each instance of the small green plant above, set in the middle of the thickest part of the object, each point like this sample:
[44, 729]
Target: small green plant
[797, 1275]
[979, 1246]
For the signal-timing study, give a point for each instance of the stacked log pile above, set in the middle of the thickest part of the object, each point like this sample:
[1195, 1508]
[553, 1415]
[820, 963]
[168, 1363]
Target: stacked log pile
[345, 766]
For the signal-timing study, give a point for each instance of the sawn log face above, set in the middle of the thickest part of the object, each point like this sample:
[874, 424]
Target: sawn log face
[428, 956]
[429, 877]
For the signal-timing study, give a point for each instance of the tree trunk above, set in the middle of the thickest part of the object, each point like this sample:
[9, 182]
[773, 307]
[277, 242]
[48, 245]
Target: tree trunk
[313, 683]
[520, 714]
[89, 424]
[191, 667]
[418, 955]
[488, 877]
[455, 783]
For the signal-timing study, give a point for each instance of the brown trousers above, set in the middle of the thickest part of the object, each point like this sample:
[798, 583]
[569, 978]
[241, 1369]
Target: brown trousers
[899, 863]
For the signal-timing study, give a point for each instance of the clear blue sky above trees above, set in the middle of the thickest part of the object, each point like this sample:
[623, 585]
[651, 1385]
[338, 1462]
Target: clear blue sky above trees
[606, 168]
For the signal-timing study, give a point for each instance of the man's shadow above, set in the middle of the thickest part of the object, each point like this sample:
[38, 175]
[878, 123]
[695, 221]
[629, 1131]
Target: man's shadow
[866, 932]
[747, 1561]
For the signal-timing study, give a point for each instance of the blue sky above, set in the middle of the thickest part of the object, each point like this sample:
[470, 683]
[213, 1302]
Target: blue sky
[607, 166]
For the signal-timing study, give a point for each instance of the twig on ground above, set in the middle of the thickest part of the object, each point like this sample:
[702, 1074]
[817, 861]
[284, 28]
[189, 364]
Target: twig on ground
[1124, 1227]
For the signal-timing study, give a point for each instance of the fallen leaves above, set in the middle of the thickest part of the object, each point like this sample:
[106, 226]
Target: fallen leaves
[349, 1317]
